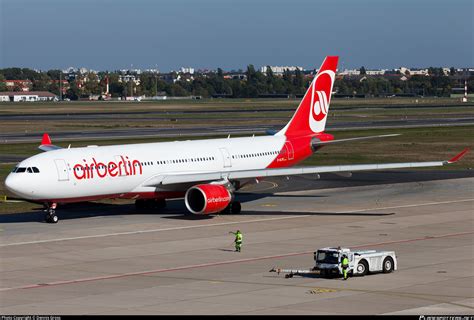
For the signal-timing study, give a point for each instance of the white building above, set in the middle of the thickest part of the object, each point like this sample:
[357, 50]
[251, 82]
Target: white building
[281, 69]
[152, 70]
[31, 96]
[375, 72]
[129, 77]
[349, 72]
[186, 70]
[70, 70]
[414, 72]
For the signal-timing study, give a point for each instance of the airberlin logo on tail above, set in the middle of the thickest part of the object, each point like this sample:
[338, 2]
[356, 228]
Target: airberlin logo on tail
[320, 97]
[320, 106]
[124, 167]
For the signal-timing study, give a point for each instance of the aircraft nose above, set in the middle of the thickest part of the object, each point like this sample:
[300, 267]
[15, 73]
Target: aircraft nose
[13, 184]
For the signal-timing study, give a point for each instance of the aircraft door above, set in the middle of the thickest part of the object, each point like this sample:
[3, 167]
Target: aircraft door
[61, 168]
[226, 157]
[289, 150]
[120, 166]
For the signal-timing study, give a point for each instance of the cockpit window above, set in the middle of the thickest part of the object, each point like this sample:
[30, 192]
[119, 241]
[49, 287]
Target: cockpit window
[24, 169]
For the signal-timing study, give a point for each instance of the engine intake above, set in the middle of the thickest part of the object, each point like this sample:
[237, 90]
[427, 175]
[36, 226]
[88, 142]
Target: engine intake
[207, 198]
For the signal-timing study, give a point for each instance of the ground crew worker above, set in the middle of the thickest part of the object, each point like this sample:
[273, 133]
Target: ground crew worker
[238, 240]
[345, 266]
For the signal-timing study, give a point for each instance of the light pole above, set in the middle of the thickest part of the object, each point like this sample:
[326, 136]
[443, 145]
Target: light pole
[60, 89]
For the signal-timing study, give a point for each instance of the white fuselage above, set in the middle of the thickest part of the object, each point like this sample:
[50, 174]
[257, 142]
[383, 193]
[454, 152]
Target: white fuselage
[98, 172]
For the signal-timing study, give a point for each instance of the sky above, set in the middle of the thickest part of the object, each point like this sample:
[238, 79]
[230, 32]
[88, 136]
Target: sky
[206, 34]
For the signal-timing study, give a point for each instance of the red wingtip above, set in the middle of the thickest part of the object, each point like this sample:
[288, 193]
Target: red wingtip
[46, 139]
[459, 156]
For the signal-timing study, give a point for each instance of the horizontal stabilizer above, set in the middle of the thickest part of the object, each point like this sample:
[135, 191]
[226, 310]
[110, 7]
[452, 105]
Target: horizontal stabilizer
[316, 142]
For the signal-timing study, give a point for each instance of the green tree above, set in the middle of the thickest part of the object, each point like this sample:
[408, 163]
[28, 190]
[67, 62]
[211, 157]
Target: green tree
[92, 84]
[251, 74]
[73, 93]
[3, 86]
[298, 82]
[42, 82]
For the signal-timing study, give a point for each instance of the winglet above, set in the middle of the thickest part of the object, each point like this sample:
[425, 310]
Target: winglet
[459, 156]
[46, 139]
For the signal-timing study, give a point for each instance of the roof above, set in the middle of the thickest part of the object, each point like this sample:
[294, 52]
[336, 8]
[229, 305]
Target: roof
[28, 93]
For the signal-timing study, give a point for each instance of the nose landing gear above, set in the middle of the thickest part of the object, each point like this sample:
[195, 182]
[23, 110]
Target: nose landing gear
[51, 216]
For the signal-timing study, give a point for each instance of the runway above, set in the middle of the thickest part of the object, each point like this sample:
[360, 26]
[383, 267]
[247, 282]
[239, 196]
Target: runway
[165, 113]
[222, 130]
[109, 259]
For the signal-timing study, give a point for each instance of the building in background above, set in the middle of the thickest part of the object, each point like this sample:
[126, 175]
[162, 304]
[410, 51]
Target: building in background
[18, 85]
[31, 96]
[279, 70]
[186, 70]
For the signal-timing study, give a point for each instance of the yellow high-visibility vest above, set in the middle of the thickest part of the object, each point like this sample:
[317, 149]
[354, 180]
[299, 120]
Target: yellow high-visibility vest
[345, 262]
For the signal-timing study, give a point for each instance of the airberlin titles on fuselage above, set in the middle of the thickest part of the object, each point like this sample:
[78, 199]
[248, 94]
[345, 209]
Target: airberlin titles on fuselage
[124, 167]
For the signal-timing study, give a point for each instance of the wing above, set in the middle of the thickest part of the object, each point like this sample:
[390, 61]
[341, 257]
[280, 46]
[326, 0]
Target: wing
[46, 144]
[179, 178]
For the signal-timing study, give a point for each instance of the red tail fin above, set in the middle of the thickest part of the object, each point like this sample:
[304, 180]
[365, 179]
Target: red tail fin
[310, 117]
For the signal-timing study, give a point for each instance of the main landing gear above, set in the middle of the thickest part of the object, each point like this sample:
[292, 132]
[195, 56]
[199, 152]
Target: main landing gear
[233, 208]
[51, 216]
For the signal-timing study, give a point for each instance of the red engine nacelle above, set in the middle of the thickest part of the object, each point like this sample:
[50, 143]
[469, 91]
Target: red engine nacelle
[207, 198]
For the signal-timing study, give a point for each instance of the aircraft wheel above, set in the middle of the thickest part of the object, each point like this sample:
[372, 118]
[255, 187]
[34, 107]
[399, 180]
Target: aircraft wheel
[226, 210]
[160, 203]
[54, 218]
[51, 217]
[235, 207]
[139, 204]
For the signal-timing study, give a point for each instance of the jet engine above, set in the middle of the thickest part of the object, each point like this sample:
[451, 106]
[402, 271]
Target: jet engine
[207, 198]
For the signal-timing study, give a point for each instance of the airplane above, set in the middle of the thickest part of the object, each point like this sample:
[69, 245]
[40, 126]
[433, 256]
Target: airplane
[207, 173]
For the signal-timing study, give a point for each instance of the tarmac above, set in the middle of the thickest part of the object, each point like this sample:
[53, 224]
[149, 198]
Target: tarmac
[109, 259]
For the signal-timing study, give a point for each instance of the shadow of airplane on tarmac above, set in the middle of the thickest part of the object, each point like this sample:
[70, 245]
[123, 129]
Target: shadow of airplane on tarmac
[175, 210]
